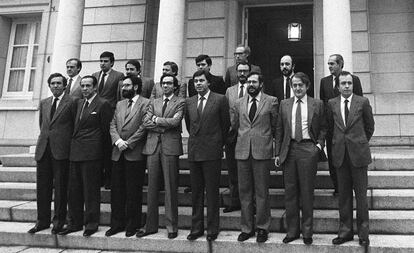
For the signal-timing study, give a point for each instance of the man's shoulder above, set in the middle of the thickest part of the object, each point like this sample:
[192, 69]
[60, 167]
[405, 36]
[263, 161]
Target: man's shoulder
[326, 78]
[334, 100]
[278, 80]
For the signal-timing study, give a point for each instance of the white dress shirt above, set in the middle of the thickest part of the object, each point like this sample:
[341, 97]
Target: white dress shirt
[304, 114]
[205, 99]
[343, 106]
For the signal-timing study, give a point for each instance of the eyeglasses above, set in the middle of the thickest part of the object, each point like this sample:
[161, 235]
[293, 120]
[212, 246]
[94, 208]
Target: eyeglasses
[168, 83]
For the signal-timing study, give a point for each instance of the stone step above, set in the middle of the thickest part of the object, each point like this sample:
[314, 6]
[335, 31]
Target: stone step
[378, 199]
[325, 221]
[14, 234]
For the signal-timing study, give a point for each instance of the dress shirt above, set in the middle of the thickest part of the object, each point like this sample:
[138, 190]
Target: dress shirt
[90, 99]
[284, 86]
[72, 86]
[155, 118]
[333, 81]
[106, 77]
[343, 106]
[249, 104]
[59, 99]
[244, 89]
[205, 99]
[304, 114]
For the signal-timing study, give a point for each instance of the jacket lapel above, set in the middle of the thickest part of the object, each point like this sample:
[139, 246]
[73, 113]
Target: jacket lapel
[62, 104]
[289, 113]
[338, 112]
[209, 104]
[311, 110]
[352, 109]
[133, 111]
[260, 106]
[78, 112]
[169, 105]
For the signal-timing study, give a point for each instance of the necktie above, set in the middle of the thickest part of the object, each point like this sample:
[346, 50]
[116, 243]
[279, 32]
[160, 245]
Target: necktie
[53, 109]
[298, 122]
[165, 105]
[253, 110]
[336, 88]
[84, 109]
[128, 111]
[346, 111]
[287, 87]
[241, 91]
[101, 83]
[200, 107]
[68, 87]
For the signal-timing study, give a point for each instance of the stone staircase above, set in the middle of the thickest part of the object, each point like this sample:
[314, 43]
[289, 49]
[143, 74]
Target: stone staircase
[390, 195]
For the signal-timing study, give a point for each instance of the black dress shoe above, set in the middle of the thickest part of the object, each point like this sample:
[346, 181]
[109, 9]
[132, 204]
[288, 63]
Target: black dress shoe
[289, 239]
[172, 235]
[211, 237]
[89, 232]
[187, 190]
[229, 209]
[244, 236]
[68, 231]
[261, 235]
[113, 231]
[142, 233]
[307, 241]
[364, 242]
[130, 233]
[56, 230]
[36, 229]
[195, 236]
[340, 240]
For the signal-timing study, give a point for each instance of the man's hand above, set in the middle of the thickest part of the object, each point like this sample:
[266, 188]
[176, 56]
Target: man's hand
[122, 145]
[277, 161]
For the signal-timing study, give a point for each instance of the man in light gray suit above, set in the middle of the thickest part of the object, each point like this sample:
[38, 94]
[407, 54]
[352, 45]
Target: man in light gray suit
[128, 139]
[73, 67]
[254, 117]
[163, 147]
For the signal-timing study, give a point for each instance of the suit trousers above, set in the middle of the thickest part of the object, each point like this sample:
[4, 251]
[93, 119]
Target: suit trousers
[127, 180]
[332, 169]
[167, 165]
[233, 178]
[254, 176]
[51, 173]
[352, 178]
[205, 174]
[299, 172]
[84, 190]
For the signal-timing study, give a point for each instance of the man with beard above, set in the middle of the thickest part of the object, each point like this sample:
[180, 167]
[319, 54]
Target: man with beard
[254, 117]
[241, 54]
[128, 139]
[233, 93]
[133, 67]
[300, 137]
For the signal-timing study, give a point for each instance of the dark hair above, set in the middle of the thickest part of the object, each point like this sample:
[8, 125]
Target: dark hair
[203, 72]
[135, 63]
[78, 62]
[135, 81]
[64, 80]
[339, 60]
[173, 65]
[94, 80]
[175, 80]
[110, 55]
[203, 57]
[258, 74]
[293, 61]
[345, 73]
[244, 63]
[303, 77]
[246, 49]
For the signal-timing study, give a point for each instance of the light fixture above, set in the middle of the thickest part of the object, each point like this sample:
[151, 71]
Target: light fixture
[294, 32]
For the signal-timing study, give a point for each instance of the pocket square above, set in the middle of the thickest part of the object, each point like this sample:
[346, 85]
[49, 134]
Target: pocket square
[93, 112]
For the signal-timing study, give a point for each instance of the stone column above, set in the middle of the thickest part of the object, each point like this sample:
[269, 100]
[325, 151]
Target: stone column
[337, 35]
[68, 35]
[170, 35]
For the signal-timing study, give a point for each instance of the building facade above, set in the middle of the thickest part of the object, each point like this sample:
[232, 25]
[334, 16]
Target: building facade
[376, 38]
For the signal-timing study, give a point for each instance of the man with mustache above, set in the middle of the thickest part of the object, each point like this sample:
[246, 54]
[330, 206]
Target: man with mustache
[254, 118]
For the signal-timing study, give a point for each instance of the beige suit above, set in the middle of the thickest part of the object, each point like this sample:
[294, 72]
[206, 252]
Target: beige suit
[254, 151]
[163, 147]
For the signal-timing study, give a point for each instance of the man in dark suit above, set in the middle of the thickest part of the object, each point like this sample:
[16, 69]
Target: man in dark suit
[329, 88]
[280, 87]
[254, 117]
[133, 67]
[163, 147]
[351, 124]
[233, 93]
[300, 137]
[241, 54]
[169, 67]
[108, 88]
[56, 118]
[207, 119]
[86, 154]
[73, 67]
[217, 84]
[128, 138]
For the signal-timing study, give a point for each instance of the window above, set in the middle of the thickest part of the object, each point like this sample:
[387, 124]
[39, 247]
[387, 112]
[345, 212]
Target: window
[21, 59]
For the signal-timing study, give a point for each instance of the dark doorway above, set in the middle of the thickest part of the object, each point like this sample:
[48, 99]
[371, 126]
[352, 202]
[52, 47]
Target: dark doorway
[268, 38]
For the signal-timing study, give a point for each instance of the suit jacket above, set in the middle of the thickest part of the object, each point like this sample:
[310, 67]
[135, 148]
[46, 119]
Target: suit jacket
[232, 96]
[255, 137]
[89, 134]
[111, 87]
[217, 85]
[276, 89]
[75, 90]
[58, 130]
[129, 129]
[157, 91]
[167, 132]
[317, 126]
[231, 74]
[355, 135]
[147, 86]
[327, 90]
[207, 135]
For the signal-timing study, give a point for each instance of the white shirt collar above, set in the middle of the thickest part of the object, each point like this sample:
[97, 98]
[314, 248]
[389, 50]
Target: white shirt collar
[258, 97]
[349, 99]
[304, 99]
[291, 75]
[73, 78]
[91, 99]
[205, 95]
[169, 98]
